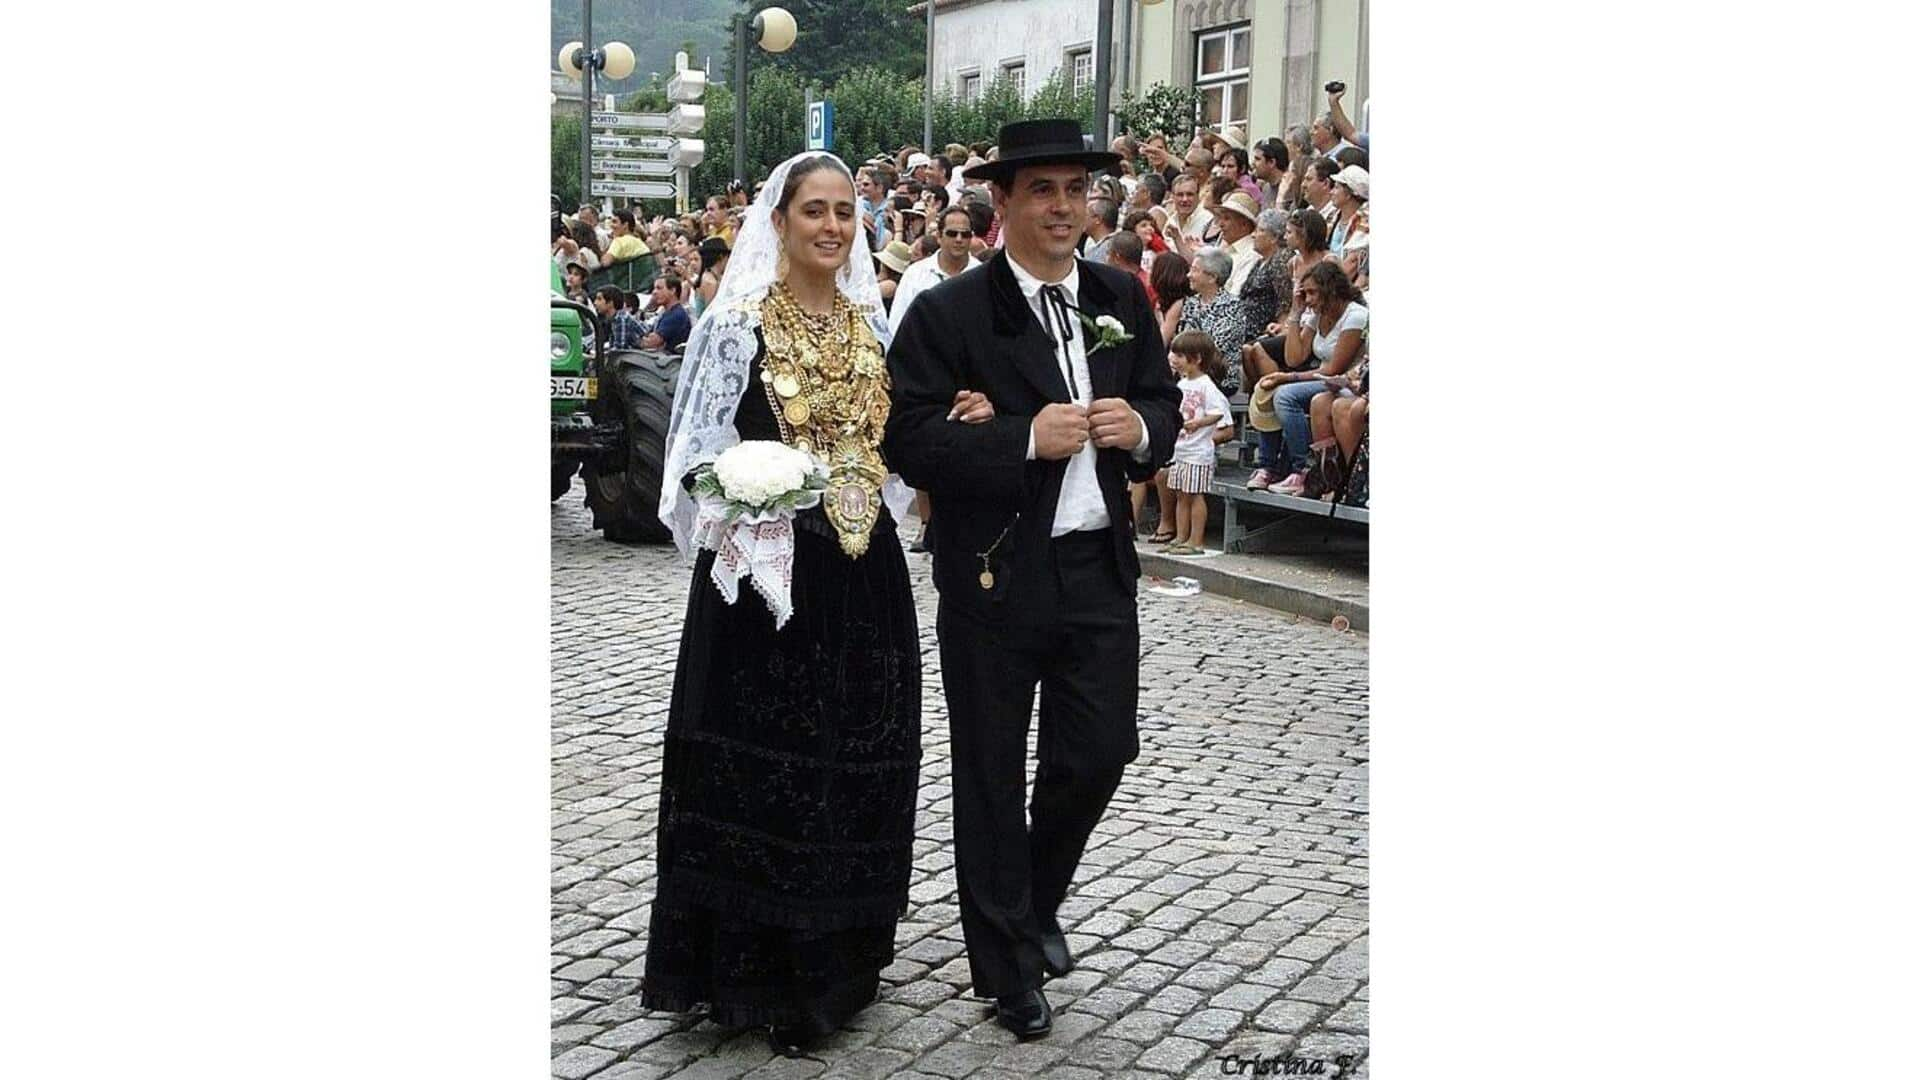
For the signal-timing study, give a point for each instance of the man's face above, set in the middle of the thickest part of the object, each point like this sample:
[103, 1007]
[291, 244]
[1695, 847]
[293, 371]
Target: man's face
[1186, 195]
[600, 305]
[1046, 210]
[662, 295]
[575, 279]
[1315, 187]
[1198, 162]
[1321, 136]
[1263, 166]
[956, 235]
[870, 188]
[590, 216]
[1095, 209]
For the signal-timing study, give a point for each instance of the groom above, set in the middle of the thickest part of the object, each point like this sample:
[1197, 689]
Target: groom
[1033, 544]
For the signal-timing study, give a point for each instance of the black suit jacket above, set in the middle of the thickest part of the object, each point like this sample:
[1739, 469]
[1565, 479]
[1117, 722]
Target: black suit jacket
[975, 331]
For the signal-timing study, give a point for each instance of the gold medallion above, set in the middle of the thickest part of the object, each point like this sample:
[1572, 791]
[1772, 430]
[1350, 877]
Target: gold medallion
[986, 579]
[797, 412]
[786, 385]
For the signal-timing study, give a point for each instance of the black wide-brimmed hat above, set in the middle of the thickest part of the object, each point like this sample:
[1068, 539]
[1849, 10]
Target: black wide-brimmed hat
[1042, 142]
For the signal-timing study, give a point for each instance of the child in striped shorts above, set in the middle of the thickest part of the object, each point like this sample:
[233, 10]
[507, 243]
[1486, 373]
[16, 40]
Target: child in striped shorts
[1203, 409]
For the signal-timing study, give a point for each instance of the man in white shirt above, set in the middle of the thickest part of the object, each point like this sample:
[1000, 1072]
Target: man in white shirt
[955, 233]
[1033, 551]
[1188, 224]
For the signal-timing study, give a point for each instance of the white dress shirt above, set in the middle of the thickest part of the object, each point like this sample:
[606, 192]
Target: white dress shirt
[918, 278]
[1081, 506]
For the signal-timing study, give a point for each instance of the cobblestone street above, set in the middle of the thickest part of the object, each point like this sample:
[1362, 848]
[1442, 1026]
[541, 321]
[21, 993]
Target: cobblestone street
[1221, 908]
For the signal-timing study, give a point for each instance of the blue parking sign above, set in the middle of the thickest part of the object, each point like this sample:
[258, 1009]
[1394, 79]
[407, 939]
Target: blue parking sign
[820, 125]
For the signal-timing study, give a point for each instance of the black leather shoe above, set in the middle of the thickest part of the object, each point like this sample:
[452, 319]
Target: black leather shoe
[1054, 953]
[1025, 1014]
[791, 1040]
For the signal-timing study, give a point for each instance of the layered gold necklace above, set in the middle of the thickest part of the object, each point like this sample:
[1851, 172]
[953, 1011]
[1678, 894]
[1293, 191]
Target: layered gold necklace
[827, 382]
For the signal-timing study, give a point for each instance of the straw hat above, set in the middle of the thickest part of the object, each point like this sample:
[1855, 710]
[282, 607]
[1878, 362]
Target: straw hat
[1241, 203]
[896, 255]
[1260, 412]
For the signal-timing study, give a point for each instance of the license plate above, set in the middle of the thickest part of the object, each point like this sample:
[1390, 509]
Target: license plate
[573, 386]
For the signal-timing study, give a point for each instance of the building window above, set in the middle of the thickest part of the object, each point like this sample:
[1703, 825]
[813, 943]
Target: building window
[1079, 70]
[970, 87]
[1222, 62]
[1016, 73]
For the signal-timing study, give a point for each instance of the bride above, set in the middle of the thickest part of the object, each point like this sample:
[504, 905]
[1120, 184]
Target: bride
[792, 753]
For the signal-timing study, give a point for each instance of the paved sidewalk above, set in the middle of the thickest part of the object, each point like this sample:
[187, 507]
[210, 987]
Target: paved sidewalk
[1221, 907]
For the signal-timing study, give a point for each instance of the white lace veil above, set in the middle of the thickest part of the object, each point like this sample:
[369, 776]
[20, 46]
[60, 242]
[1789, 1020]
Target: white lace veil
[720, 350]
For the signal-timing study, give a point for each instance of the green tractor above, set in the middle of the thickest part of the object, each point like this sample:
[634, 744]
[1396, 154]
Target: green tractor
[610, 413]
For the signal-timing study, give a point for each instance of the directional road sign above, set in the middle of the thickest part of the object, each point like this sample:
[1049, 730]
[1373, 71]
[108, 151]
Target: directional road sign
[632, 167]
[657, 144]
[637, 189]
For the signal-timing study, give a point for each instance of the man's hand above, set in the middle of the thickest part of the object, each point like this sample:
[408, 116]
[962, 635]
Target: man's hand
[971, 406]
[652, 341]
[1113, 424]
[1059, 431]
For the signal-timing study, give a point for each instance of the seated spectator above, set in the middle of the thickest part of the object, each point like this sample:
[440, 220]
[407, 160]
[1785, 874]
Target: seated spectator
[1350, 202]
[1126, 253]
[1150, 191]
[1336, 419]
[1300, 148]
[1269, 168]
[673, 324]
[622, 329]
[1316, 186]
[1324, 334]
[1267, 288]
[1355, 261]
[1215, 310]
[626, 245]
[1345, 129]
[1189, 224]
[1103, 220]
[1328, 143]
[1307, 236]
[1233, 166]
[1141, 224]
[716, 220]
[1171, 288]
[1238, 215]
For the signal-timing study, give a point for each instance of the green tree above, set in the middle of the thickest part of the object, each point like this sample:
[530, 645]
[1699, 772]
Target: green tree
[1169, 110]
[566, 160]
[874, 111]
[837, 36]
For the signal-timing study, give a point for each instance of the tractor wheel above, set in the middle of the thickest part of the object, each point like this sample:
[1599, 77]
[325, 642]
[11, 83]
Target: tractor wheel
[623, 489]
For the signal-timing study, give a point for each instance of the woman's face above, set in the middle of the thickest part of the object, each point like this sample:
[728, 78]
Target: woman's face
[1295, 239]
[1230, 168]
[1265, 242]
[1343, 198]
[1311, 290]
[818, 222]
[1201, 281]
[1144, 230]
[682, 246]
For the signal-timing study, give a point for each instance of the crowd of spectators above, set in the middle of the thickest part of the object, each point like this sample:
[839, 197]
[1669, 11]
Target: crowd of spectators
[1260, 246]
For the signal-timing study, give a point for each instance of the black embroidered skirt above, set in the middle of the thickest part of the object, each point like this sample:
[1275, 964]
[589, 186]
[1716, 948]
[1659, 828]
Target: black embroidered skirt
[792, 767]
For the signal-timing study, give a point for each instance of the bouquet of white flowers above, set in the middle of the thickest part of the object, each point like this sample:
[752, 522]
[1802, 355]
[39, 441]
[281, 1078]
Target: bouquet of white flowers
[745, 505]
[760, 477]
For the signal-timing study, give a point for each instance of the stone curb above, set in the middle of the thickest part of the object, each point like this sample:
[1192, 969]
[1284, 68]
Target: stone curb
[1256, 590]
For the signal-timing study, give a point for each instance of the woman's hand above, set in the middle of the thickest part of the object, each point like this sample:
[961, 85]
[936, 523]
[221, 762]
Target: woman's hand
[971, 407]
[1268, 381]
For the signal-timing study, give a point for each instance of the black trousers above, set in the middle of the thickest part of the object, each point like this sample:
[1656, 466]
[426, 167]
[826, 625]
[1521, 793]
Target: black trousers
[1086, 665]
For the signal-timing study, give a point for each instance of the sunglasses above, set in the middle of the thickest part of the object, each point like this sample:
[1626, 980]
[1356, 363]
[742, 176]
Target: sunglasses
[957, 234]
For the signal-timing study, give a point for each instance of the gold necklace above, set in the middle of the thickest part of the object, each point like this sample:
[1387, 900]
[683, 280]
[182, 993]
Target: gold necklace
[827, 382]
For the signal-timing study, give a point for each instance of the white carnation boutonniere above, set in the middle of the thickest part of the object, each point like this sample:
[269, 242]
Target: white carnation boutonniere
[1103, 331]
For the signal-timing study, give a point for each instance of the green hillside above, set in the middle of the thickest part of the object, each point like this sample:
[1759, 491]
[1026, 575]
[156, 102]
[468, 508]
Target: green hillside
[656, 29]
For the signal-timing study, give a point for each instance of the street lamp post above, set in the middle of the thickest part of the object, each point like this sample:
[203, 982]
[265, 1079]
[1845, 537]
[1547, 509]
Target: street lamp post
[580, 59]
[773, 28]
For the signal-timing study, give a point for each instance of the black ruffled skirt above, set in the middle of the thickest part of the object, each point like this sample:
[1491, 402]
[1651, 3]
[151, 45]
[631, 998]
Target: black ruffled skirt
[792, 768]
